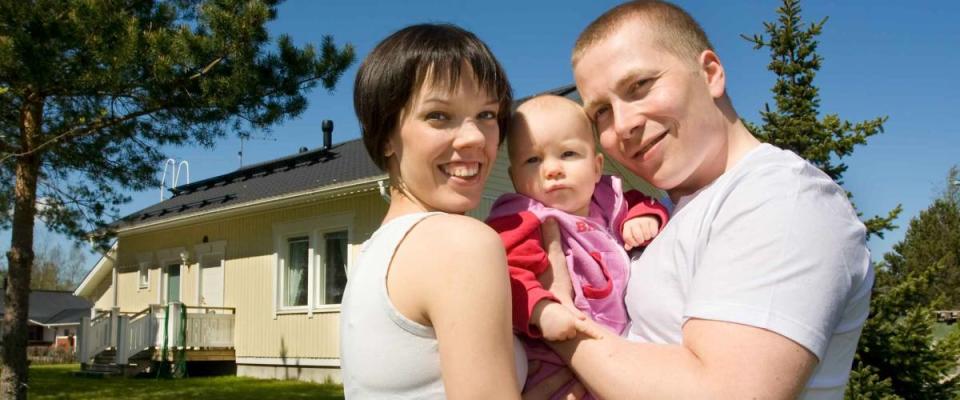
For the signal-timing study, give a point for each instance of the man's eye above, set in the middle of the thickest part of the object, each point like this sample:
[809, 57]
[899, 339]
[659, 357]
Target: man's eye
[568, 154]
[437, 115]
[532, 160]
[640, 84]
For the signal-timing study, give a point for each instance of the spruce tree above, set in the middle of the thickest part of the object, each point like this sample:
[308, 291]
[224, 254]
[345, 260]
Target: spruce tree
[90, 91]
[795, 123]
[898, 346]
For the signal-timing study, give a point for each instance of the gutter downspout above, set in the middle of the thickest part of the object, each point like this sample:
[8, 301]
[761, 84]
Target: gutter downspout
[383, 190]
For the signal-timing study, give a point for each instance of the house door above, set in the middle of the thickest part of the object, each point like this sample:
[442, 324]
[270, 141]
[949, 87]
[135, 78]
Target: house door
[211, 280]
[173, 282]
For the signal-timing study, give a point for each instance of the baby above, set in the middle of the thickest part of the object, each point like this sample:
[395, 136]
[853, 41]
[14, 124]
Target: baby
[557, 173]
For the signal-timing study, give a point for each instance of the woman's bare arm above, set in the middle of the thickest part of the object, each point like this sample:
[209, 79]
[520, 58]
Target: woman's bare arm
[450, 273]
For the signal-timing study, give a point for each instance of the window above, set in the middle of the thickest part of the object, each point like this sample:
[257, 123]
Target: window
[34, 333]
[144, 276]
[334, 277]
[295, 272]
[313, 256]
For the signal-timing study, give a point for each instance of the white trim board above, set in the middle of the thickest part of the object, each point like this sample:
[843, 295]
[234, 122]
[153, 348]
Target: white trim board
[290, 362]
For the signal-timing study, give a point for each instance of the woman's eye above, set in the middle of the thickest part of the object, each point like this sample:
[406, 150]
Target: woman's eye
[487, 115]
[600, 113]
[437, 115]
[532, 160]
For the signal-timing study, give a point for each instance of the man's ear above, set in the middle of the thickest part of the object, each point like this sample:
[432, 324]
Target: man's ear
[714, 73]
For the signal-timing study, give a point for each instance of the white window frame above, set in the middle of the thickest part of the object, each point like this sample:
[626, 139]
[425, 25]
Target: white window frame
[167, 258]
[212, 249]
[144, 262]
[314, 229]
[321, 264]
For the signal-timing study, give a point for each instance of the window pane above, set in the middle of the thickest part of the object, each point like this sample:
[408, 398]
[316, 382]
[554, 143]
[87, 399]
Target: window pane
[295, 275]
[336, 267]
[143, 275]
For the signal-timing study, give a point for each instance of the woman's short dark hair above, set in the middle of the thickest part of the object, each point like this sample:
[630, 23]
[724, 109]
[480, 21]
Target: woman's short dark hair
[398, 66]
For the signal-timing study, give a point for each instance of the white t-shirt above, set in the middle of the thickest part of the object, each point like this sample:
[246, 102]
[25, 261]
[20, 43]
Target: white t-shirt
[383, 354]
[772, 243]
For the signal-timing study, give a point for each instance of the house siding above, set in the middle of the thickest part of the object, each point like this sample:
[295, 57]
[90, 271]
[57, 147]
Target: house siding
[249, 269]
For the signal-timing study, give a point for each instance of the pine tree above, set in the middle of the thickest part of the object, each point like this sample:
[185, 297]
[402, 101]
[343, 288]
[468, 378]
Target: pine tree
[795, 124]
[90, 90]
[914, 280]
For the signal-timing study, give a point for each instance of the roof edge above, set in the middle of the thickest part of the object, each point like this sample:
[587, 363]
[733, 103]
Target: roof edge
[332, 190]
[109, 257]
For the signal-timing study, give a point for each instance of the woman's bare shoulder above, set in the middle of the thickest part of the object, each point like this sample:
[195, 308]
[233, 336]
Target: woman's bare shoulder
[447, 236]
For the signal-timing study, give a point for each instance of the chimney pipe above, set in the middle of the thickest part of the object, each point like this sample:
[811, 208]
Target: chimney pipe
[327, 127]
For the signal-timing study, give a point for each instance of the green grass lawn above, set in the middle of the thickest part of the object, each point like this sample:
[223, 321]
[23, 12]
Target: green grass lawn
[941, 329]
[57, 382]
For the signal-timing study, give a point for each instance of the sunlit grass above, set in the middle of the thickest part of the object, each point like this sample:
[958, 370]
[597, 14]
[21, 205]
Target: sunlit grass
[58, 382]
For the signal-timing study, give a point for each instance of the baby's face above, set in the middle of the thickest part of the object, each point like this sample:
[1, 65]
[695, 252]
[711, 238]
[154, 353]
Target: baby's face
[554, 160]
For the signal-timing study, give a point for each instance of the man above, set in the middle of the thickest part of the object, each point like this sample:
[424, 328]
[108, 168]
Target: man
[759, 285]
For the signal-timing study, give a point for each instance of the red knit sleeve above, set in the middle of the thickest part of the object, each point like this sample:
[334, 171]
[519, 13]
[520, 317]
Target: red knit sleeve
[642, 205]
[526, 260]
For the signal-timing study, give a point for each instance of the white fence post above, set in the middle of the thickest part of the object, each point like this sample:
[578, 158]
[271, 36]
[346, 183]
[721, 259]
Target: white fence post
[123, 340]
[113, 331]
[83, 336]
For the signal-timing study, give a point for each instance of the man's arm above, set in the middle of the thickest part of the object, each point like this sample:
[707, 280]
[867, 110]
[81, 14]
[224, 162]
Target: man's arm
[716, 360]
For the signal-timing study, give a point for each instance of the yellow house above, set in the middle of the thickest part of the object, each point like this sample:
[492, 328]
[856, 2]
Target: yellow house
[256, 261]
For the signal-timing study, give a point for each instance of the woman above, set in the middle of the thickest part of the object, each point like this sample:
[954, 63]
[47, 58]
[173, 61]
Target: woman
[426, 313]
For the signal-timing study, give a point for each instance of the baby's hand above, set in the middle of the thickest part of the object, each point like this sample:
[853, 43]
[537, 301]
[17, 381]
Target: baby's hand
[557, 322]
[638, 230]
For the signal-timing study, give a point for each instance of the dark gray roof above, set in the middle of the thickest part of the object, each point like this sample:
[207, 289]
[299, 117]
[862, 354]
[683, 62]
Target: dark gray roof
[347, 161]
[311, 169]
[55, 307]
[69, 316]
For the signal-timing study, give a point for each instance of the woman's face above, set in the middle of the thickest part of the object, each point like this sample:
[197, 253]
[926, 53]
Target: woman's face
[445, 146]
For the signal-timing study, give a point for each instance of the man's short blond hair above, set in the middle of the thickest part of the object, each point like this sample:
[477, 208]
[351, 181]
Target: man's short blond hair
[676, 31]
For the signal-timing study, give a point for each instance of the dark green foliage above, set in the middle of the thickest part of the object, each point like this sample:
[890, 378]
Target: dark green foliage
[795, 124]
[117, 80]
[919, 276]
[934, 237]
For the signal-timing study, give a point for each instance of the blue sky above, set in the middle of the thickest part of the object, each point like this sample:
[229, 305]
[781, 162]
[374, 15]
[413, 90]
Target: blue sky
[891, 58]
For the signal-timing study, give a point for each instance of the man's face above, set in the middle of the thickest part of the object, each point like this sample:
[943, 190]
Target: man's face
[654, 112]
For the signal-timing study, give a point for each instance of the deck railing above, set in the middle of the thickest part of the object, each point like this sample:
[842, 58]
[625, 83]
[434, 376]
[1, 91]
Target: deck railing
[96, 335]
[129, 334]
[210, 327]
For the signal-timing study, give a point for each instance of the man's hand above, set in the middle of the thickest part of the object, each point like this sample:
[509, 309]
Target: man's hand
[558, 322]
[637, 231]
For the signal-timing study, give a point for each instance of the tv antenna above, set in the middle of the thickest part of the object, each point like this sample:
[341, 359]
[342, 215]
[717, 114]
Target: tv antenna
[247, 136]
[175, 170]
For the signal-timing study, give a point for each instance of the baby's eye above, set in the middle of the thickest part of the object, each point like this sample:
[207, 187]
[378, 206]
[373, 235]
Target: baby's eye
[568, 154]
[532, 160]
[438, 116]
[487, 115]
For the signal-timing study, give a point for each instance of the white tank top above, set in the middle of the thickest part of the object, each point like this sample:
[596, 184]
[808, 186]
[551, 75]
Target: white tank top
[383, 354]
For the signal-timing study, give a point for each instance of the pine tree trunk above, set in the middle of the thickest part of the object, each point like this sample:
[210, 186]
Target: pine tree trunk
[13, 358]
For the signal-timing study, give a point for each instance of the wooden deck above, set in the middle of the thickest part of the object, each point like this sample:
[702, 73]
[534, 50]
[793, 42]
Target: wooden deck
[212, 354]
